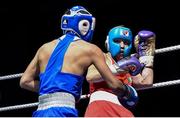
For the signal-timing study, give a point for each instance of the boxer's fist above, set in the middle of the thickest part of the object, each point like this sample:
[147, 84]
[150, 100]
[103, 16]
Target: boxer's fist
[131, 97]
[144, 43]
[130, 64]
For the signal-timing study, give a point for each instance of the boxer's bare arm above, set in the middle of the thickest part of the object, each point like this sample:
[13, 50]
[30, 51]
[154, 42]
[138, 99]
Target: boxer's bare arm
[145, 79]
[37, 65]
[27, 80]
[144, 43]
[100, 63]
[93, 75]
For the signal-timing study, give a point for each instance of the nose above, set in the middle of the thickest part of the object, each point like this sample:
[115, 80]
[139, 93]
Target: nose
[122, 44]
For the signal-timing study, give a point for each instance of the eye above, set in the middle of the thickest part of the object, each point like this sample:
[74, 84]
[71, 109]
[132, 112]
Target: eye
[117, 40]
[126, 43]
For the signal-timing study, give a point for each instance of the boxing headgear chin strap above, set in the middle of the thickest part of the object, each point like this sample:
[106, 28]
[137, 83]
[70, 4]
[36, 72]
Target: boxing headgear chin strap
[78, 21]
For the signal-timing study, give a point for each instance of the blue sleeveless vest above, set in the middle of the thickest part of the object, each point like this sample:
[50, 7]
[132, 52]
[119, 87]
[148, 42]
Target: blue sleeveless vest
[53, 80]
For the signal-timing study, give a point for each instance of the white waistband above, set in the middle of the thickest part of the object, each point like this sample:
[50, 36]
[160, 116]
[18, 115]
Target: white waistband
[58, 99]
[103, 95]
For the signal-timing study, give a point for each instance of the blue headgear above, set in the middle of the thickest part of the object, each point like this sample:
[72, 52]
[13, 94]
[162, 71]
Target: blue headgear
[78, 21]
[119, 33]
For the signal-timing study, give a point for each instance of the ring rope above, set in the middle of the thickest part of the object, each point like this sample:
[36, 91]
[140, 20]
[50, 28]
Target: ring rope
[157, 51]
[167, 49]
[156, 85]
[6, 77]
[15, 107]
[162, 84]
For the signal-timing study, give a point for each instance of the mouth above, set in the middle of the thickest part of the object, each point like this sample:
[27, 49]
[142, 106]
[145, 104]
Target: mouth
[120, 56]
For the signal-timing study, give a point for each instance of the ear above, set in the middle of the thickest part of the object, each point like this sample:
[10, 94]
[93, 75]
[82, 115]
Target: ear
[107, 43]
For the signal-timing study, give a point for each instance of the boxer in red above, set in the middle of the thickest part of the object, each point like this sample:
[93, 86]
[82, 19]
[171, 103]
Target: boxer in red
[137, 72]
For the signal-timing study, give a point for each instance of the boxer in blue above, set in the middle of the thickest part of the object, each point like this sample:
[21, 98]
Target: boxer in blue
[61, 64]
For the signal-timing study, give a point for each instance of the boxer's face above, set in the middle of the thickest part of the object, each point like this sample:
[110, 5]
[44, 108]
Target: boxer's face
[123, 44]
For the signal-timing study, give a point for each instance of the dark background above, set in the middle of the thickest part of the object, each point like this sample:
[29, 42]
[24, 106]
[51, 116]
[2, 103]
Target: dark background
[26, 25]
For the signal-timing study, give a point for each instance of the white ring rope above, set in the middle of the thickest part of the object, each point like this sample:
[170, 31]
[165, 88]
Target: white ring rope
[9, 108]
[156, 85]
[6, 77]
[167, 49]
[157, 51]
[162, 84]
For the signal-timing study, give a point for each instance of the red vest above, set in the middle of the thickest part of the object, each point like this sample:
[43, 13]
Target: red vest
[125, 78]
